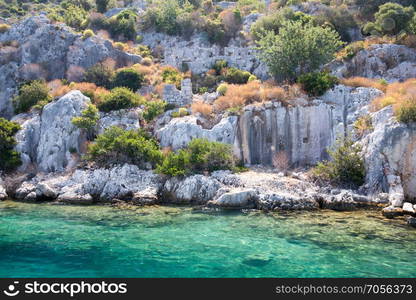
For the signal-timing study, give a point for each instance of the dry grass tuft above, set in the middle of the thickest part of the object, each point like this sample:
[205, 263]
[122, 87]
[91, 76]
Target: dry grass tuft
[365, 82]
[252, 92]
[202, 108]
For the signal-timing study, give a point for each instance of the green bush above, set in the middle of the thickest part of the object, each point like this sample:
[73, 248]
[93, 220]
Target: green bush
[120, 98]
[4, 28]
[391, 18]
[87, 34]
[219, 65]
[297, 49]
[100, 75]
[9, 159]
[236, 76]
[171, 75]
[276, 20]
[175, 164]
[153, 109]
[406, 112]
[88, 120]
[129, 78]
[222, 89]
[30, 94]
[123, 25]
[210, 156]
[102, 5]
[317, 83]
[340, 18]
[345, 167]
[75, 16]
[118, 146]
[200, 155]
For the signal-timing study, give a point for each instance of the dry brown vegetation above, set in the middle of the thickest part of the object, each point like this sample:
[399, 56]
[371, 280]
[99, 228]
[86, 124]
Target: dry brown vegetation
[58, 89]
[365, 82]
[252, 92]
[202, 108]
[397, 94]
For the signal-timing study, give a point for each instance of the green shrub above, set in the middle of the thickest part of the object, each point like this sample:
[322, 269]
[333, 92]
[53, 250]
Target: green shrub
[9, 159]
[391, 18]
[317, 83]
[87, 34]
[345, 167]
[102, 5]
[30, 94]
[219, 65]
[88, 120]
[100, 75]
[406, 112]
[75, 16]
[252, 78]
[200, 155]
[210, 156]
[297, 49]
[222, 89]
[182, 112]
[123, 25]
[153, 109]
[120, 98]
[175, 164]
[129, 78]
[236, 76]
[276, 20]
[118, 146]
[350, 50]
[171, 75]
[340, 18]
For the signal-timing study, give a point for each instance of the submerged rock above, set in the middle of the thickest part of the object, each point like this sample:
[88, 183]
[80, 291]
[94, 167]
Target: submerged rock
[391, 212]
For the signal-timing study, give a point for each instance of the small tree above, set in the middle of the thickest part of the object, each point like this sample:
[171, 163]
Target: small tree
[30, 94]
[129, 78]
[120, 98]
[298, 48]
[346, 165]
[87, 120]
[9, 159]
[391, 18]
[102, 5]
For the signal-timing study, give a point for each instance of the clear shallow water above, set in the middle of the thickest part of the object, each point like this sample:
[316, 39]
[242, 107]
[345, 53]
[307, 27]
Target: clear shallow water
[43, 240]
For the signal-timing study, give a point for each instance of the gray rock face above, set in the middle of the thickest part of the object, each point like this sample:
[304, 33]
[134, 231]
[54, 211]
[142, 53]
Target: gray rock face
[46, 141]
[389, 153]
[389, 61]
[303, 132]
[286, 201]
[49, 51]
[180, 131]
[197, 189]
[128, 119]
[3, 194]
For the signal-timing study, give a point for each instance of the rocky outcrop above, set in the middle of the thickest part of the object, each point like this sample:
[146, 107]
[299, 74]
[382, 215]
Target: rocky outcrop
[41, 49]
[302, 132]
[125, 182]
[128, 119]
[385, 61]
[180, 131]
[47, 140]
[389, 153]
[3, 193]
[197, 189]
[236, 199]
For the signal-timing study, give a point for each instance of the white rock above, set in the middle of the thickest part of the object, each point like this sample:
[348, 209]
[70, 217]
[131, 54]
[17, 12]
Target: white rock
[408, 208]
[236, 199]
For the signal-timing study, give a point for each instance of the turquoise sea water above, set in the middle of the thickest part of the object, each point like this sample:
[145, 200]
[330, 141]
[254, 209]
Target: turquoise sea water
[44, 240]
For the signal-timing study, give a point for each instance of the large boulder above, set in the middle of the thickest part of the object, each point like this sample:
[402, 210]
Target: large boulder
[180, 131]
[47, 140]
[236, 199]
[197, 189]
[3, 193]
